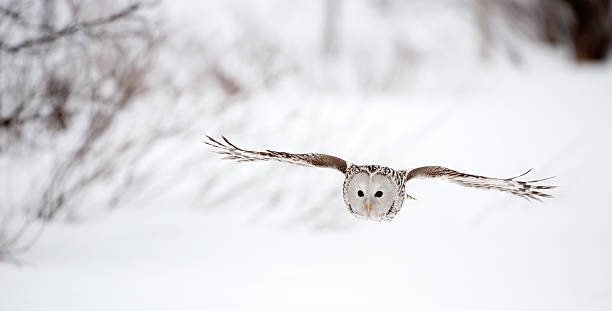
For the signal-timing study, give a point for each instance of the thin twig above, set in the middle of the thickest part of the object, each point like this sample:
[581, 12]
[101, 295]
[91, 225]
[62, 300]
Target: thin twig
[70, 30]
[16, 16]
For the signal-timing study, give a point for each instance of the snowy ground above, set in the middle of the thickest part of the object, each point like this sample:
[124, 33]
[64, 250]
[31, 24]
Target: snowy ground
[201, 234]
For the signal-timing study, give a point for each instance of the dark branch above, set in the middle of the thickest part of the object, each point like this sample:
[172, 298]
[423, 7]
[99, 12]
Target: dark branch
[16, 16]
[68, 30]
[10, 13]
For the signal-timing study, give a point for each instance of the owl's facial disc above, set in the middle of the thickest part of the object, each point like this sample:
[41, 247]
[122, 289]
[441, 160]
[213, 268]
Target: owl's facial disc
[371, 196]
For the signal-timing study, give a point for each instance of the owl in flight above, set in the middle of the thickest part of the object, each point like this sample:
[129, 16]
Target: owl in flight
[376, 192]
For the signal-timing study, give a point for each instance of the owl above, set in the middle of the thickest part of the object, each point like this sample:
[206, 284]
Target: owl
[374, 192]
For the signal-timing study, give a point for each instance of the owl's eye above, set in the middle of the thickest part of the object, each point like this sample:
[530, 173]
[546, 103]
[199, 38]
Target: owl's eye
[360, 193]
[378, 194]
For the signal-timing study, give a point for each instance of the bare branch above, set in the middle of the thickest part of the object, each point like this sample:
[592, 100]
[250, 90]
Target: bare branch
[68, 30]
[16, 16]
[10, 13]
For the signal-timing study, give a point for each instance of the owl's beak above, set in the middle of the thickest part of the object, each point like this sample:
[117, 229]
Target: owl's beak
[368, 208]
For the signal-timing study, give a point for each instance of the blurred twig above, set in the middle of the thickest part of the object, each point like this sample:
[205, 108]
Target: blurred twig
[12, 245]
[66, 31]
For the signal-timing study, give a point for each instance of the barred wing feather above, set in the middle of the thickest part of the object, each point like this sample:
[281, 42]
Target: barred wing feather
[232, 152]
[526, 189]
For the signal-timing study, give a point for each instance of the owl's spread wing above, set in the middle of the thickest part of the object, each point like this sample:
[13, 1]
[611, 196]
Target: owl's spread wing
[231, 152]
[525, 189]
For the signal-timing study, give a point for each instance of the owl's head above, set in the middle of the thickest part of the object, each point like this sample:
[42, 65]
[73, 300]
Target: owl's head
[371, 192]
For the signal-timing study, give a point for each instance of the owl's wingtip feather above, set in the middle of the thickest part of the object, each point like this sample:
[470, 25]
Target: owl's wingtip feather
[515, 177]
[216, 143]
[229, 143]
[539, 180]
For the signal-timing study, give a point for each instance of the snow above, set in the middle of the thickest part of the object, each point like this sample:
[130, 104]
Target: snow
[197, 233]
